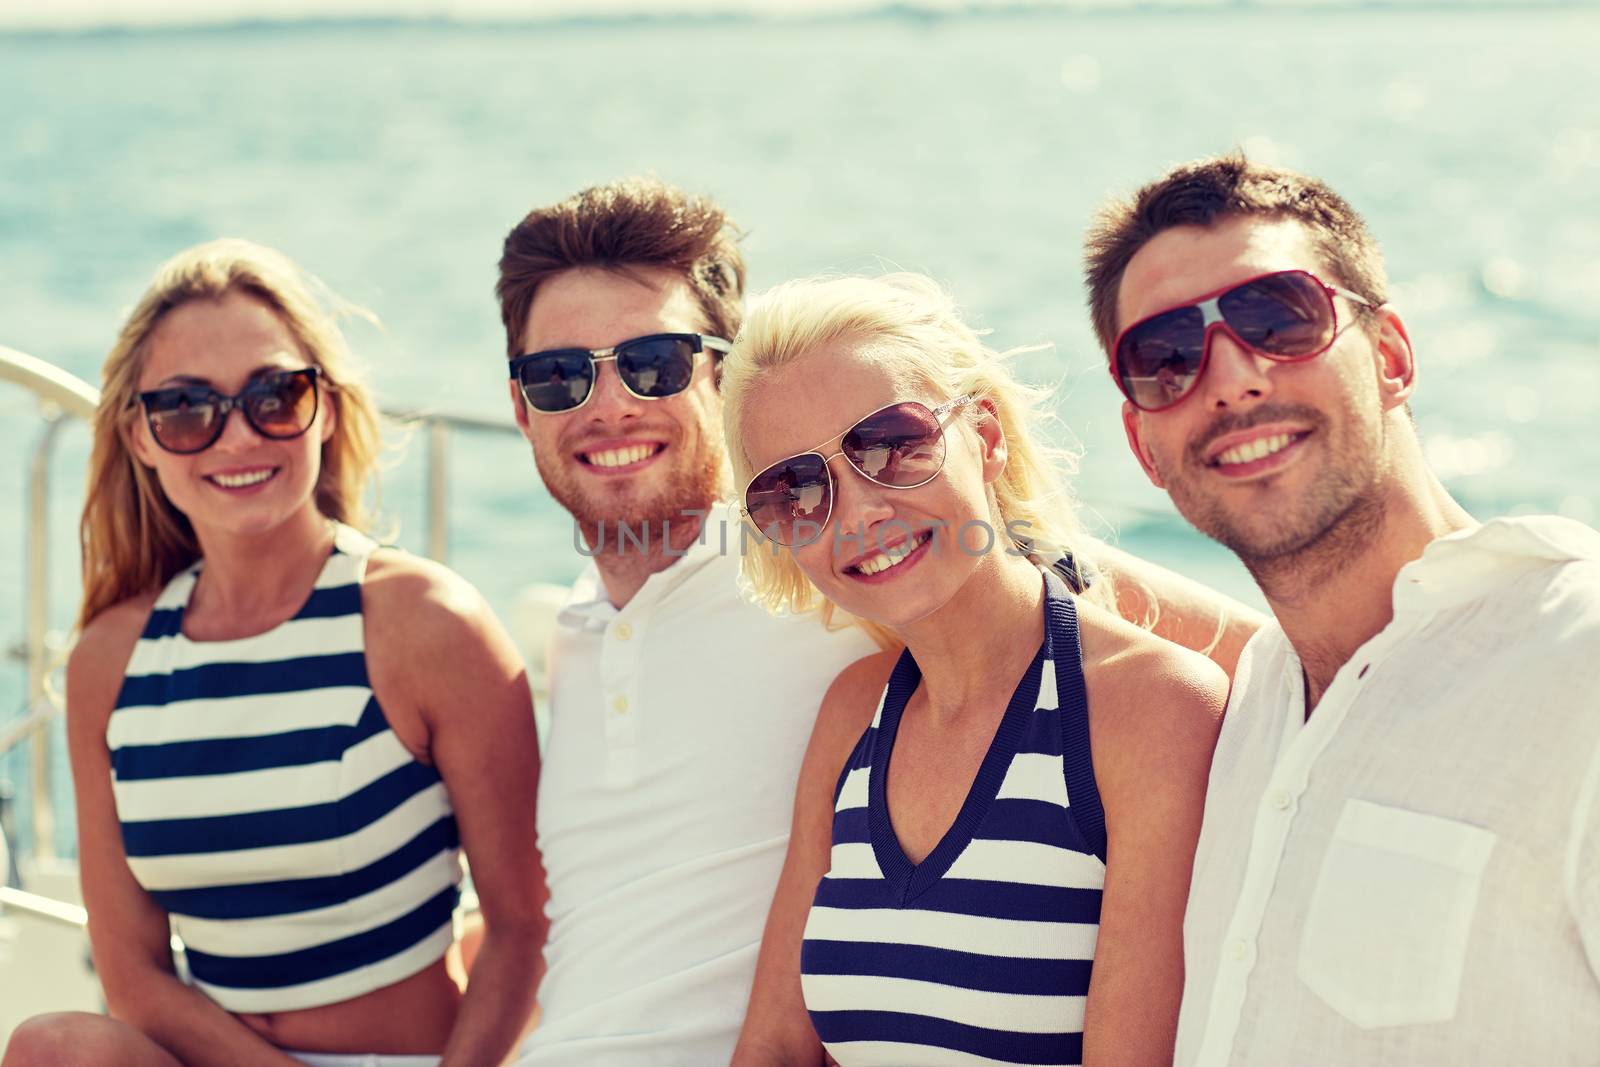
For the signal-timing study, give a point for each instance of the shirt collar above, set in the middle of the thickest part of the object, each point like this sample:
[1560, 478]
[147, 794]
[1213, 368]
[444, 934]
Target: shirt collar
[588, 607]
[1464, 565]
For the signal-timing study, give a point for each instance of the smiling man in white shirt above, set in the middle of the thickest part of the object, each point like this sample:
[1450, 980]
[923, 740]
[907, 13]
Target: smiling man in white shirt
[1400, 861]
[680, 709]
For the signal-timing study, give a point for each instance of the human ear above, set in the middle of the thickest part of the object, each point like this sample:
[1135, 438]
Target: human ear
[992, 436]
[1396, 362]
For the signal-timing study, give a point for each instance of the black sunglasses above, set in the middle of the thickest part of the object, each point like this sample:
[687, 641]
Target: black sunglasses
[1287, 315]
[651, 367]
[185, 419]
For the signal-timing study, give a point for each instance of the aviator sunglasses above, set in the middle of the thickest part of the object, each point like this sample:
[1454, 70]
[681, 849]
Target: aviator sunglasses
[651, 367]
[900, 446]
[185, 419]
[1287, 316]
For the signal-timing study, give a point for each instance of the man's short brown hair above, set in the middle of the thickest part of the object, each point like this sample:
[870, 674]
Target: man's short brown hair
[636, 222]
[1209, 190]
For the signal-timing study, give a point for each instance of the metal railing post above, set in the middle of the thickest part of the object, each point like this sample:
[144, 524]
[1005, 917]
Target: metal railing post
[42, 818]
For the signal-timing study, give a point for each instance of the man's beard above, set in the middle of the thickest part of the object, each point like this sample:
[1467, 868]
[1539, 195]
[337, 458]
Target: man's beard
[674, 497]
[1339, 514]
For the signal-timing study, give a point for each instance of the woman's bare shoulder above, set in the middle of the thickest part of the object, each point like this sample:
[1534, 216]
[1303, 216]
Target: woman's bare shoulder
[99, 657]
[419, 605]
[853, 696]
[849, 706]
[398, 579]
[1149, 699]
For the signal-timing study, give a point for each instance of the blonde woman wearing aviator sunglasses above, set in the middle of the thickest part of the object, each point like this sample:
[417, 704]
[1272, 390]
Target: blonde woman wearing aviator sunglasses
[1014, 888]
[281, 734]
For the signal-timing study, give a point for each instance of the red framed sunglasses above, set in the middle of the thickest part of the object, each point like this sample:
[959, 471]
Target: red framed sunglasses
[1288, 316]
[899, 446]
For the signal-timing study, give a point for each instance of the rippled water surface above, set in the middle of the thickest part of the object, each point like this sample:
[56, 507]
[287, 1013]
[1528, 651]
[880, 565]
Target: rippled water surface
[392, 161]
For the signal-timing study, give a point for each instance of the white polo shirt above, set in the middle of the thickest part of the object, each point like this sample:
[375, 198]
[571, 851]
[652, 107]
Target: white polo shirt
[677, 727]
[1412, 876]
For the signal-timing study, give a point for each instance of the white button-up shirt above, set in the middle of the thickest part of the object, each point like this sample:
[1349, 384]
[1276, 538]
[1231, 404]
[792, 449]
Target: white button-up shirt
[1412, 876]
[677, 728]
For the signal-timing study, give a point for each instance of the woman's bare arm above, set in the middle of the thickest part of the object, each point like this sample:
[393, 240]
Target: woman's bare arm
[1154, 713]
[434, 639]
[128, 932]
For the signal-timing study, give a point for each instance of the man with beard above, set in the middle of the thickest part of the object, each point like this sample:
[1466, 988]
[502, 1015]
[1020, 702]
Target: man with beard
[1400, 860]
[680, 710]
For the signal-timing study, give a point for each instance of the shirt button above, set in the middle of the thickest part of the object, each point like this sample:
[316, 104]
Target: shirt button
[624, 631]
[1281, 799]
[620, 704]
[1241, 950]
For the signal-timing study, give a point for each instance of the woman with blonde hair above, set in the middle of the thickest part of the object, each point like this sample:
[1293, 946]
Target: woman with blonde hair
[994, 827]
[281, 734]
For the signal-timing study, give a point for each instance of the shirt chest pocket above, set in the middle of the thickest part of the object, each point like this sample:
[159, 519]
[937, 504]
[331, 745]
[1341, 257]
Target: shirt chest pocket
[1386, 935]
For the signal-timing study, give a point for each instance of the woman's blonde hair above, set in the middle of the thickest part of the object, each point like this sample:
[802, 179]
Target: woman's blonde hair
[913, 324]
[134, 539]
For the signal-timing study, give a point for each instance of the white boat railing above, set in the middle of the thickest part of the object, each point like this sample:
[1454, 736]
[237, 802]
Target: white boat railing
[56, 911]
[63, 397]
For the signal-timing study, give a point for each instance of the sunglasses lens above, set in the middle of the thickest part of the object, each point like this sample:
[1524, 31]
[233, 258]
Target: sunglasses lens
[281, 405]
[184, 419]
[557, 381]
[660, 366]
[900, 446]
[1159, 359]
[789, 501]
[1287, 314]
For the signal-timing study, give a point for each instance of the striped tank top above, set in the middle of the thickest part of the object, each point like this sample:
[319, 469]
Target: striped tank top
[981, 953]
[303, 855]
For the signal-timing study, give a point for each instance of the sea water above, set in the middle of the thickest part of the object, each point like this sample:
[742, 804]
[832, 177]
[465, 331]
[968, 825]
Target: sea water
[391, 159]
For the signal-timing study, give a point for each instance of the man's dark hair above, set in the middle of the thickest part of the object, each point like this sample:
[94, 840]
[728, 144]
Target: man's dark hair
[636, 222]
[1211, 190]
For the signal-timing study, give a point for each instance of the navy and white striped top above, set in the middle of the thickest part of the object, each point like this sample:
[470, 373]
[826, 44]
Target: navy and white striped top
[981, 953]
[305, 857]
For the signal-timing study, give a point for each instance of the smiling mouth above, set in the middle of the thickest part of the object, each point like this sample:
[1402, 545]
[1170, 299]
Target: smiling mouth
[609, 458]
[242, 480]
[888, 558]
[1250, 451]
